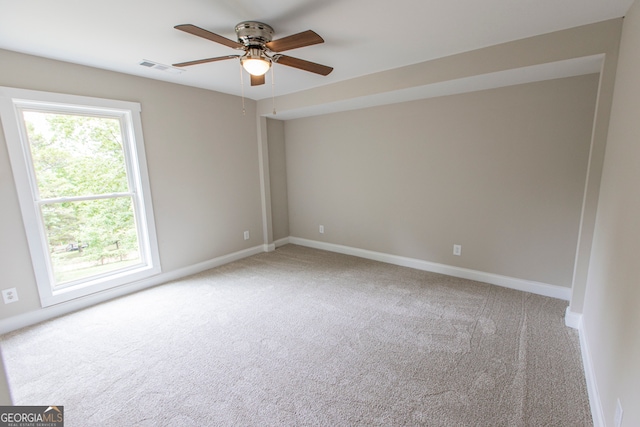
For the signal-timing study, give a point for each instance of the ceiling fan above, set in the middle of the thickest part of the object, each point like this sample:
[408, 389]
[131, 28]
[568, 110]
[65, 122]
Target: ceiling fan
[260, 51]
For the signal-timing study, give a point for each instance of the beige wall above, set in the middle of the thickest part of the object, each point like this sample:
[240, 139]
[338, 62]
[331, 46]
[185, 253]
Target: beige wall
[278, 179]
[500, 172]
[598, 38]
[611, 319]
[202, 156]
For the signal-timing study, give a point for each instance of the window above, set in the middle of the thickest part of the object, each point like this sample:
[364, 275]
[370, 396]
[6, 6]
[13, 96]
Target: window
[82, 182]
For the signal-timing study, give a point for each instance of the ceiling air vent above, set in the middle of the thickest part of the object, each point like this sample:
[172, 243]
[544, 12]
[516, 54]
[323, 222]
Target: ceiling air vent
[161, 67]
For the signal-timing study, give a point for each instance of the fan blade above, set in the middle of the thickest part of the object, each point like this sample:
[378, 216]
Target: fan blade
[303, 65]
[305, 38]
[200, 32]
[257, 80]
[204, 61]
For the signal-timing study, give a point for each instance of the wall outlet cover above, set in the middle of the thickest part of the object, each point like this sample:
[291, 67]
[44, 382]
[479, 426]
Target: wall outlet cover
[10, 295]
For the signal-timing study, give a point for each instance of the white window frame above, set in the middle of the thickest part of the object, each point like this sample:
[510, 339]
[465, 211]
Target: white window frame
[12, 101]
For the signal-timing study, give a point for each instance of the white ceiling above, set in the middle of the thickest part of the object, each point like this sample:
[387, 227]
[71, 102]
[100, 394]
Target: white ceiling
[361, 36]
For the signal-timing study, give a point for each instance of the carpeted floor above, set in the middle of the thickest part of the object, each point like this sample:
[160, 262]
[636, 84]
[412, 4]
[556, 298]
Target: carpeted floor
[306, 337]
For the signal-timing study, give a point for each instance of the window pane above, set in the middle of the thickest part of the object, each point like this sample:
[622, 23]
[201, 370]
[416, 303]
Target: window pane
[76, 155]
[90, 238]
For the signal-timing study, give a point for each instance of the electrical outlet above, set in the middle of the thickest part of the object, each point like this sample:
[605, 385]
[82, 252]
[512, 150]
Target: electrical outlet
[246, 235]
[321, 229]
[457, 250]
[617, 421]
[10, 295]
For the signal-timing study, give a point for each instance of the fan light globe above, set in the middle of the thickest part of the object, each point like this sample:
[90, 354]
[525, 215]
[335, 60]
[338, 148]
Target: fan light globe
[256, 66]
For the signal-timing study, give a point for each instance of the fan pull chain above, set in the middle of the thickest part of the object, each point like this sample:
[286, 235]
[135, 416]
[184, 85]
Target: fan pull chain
[244, 113]
[273, 90]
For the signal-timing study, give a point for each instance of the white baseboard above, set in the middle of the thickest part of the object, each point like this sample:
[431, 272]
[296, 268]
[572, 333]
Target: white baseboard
[281, 242]
[46, 313]
[533, 287]
[589, 376]
[572, 319]
[37, 316]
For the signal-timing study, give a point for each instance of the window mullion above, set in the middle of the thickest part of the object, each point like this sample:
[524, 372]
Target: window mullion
[83, 198]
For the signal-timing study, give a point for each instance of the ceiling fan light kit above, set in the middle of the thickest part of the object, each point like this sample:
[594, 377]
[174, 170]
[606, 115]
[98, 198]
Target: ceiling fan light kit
[255, 62]
[260, 51]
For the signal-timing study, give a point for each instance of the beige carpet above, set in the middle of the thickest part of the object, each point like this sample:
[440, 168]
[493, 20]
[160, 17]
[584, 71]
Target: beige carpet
[305, 337]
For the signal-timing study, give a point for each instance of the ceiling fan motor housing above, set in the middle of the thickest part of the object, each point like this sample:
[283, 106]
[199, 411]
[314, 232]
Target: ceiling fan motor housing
[253, 33]
[260, 50]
